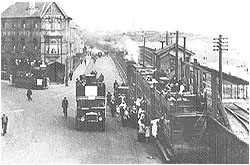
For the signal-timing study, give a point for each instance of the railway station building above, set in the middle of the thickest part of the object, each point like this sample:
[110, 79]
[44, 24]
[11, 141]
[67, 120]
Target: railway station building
[164, 58]
[34, 31]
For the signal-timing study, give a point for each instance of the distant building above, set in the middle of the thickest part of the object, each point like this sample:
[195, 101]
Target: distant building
[163, 59]
[34, 31]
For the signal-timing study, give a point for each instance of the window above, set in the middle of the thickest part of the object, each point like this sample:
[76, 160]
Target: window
[53, 46]
[3, 23]
[23, 44]
[48, 25]
[35, 43]
[58, 24]
[13, 43]
[13, 25]
[35, 25]
[3, 44]
[23, 24]
[3, 64]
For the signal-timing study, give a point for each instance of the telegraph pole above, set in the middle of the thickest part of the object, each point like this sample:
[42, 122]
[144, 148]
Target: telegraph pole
[176, 54]
[219, 44]
[166, 38]
[144, 43]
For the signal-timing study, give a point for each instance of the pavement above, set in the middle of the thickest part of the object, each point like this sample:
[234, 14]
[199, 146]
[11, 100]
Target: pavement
[38, 133]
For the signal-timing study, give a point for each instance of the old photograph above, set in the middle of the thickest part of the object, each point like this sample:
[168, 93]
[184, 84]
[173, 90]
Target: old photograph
[125, 82]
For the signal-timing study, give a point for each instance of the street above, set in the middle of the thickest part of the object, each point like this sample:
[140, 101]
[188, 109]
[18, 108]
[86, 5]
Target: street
[38, 133]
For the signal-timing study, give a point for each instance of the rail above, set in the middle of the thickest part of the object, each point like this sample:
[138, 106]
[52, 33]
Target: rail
[241, 119]
[244, 110]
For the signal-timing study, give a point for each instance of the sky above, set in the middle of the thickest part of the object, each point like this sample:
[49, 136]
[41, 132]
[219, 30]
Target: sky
[208, 17]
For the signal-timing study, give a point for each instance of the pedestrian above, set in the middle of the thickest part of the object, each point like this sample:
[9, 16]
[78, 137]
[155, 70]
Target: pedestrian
[29, 93]
[112, 108]
[81, 61]
[4, 124]
[141, 131]
[140, 112]
[70, 75]
[65, 104]
[147, 132]
[154, 127]
[138, 102]
[109, 98]
[125, 117]
[118, 112]
[115, 85]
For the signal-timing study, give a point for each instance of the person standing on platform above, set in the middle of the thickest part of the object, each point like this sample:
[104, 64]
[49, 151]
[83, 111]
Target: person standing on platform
[147, 132]
[154, 127]
[141, 131]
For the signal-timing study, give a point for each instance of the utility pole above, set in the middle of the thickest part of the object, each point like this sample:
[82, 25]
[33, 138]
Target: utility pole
[144, 43]
[176, 54]
[219, 44]
[166, 38]
[66, 72]
[183, 66]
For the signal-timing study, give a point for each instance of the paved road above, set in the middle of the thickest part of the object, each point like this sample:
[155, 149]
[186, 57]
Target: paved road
[38, 133]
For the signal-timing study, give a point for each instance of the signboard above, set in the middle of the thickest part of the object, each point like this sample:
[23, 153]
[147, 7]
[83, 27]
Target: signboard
[91, 91]
[39, 82]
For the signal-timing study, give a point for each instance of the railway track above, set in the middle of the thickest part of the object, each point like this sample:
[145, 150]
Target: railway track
[239, 114]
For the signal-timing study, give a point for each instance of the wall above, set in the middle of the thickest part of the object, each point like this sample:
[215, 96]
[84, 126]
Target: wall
[225, 146]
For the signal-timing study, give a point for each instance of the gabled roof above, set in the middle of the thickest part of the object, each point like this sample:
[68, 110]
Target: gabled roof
[22, 9]
[146, 50]
[170, 47]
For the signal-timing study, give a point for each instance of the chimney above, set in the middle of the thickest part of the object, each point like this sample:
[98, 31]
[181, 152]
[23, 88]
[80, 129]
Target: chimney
[166, 38]
[162, 42]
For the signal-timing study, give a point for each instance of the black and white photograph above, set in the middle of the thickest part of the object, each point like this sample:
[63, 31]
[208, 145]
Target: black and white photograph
[125, 82]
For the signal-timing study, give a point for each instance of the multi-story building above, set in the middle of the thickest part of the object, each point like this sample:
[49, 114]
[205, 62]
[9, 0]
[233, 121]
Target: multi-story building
[35, 31]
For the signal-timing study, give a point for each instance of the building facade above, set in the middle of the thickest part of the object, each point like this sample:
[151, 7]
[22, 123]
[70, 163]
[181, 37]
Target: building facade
[34, 31]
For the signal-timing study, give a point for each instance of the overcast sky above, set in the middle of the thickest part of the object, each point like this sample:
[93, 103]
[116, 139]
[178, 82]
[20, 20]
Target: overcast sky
[208, 17]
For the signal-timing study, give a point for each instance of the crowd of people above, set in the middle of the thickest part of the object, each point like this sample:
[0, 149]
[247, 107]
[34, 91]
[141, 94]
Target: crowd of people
[133, 114]
[173, 86]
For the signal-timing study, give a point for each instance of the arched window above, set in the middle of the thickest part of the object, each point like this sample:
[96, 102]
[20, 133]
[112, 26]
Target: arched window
[23, 44]
[53, 46]
[35, 43]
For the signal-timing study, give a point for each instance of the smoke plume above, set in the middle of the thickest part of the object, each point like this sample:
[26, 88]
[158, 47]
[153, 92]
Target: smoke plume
[130, 47]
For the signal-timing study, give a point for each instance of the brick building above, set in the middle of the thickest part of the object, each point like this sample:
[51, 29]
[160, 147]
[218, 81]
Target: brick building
[34, 31]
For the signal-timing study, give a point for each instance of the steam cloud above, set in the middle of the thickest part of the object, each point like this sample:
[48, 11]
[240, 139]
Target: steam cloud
[129, 46]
